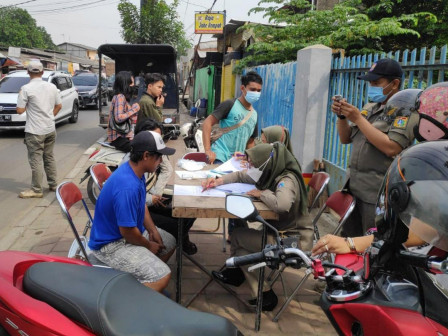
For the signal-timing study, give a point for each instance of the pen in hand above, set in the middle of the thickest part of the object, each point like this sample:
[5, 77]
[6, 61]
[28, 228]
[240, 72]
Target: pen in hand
[208, 183]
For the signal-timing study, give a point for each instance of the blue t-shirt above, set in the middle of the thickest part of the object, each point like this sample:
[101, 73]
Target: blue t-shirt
[120, 203]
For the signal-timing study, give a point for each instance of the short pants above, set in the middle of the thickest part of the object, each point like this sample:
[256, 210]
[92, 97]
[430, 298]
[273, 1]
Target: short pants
[144, 265]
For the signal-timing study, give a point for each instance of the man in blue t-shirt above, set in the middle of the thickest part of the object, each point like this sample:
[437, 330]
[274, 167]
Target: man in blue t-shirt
[229, 114]
[123, 234]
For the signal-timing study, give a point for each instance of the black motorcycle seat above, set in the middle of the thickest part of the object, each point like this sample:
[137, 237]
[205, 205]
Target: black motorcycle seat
[110, 302]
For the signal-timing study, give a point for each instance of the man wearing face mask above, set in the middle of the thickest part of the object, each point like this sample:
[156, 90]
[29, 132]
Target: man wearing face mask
[376, 140]
[237, 118]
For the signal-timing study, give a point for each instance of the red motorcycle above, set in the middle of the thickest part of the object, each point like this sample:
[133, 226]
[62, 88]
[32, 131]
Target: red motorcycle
[384, 292]
[47, 295]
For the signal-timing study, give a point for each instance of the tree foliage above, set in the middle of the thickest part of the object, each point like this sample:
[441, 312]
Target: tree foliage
[357, 26]
[19, 29]
[156, 23]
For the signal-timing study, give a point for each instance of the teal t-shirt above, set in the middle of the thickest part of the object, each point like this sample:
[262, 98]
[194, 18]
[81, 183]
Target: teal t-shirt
[235, 140]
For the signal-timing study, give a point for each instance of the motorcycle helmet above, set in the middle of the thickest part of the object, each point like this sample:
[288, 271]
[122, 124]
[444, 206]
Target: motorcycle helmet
[184, 129]
[433, 109]
[402, 103]
[414, 193]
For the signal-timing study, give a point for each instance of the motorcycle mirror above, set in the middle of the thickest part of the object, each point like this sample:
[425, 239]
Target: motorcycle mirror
[240, 206]
[168, 121]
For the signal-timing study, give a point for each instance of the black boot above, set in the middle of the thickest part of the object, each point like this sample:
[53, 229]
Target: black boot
[230, 276]
[270, 301]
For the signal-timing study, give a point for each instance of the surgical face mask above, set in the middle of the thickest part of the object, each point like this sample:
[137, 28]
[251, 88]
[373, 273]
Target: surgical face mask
[376, 93]
[252, 96]
[255, 173]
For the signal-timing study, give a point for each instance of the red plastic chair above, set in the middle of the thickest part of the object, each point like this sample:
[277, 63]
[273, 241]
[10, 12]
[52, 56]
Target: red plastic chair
[100, 173]
[68, 194]
[318, 183]
[196, 156]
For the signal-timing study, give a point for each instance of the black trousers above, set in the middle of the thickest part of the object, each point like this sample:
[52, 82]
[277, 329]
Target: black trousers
[162, 217]
[122, 143]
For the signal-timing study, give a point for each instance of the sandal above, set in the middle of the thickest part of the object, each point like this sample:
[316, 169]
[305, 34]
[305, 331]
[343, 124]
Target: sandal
[189, 248]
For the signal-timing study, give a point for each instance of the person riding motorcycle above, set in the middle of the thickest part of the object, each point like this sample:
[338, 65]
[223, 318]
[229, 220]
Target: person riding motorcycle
[432, 106]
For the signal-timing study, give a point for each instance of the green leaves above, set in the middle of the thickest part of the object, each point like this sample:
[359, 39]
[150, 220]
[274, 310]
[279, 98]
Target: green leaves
[354, 25]
[19, 29]
[156, 23]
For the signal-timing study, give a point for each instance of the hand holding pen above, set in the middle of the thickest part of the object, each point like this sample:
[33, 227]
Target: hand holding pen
[211, 182]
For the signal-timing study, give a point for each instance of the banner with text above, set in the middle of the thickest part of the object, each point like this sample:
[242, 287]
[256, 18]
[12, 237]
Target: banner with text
[209, 23]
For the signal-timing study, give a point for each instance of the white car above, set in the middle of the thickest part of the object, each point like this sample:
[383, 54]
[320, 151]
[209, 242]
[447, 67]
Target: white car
[9, 90]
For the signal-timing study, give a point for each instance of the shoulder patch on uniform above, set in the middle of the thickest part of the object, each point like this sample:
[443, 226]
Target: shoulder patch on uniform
[280, 185]
[365, 113]
[401, 122]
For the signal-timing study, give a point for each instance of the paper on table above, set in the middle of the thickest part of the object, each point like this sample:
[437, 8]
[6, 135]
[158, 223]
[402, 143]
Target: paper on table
[188, 175]
[236, 188]
[230, 165]
[183, 190]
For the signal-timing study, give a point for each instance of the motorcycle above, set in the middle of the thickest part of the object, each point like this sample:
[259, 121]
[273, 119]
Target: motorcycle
[44, 295]
[192, 135]
[113, 158]
[363, 297]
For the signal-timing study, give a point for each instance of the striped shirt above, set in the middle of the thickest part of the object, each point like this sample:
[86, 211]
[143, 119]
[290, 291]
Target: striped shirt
[121, 110]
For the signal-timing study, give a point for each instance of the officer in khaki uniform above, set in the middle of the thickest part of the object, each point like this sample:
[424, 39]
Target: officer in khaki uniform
[278, 178]
[377, 137]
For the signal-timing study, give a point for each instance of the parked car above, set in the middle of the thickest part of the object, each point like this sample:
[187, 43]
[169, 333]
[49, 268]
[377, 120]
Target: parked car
[87, 84]
[10, 86]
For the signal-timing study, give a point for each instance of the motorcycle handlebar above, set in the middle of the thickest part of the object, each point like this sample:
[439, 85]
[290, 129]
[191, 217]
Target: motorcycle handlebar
[245, 260]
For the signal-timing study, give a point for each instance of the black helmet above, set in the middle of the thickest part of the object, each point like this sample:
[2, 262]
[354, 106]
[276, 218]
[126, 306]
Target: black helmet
[402, 103]
[433, 110]
[415, 192]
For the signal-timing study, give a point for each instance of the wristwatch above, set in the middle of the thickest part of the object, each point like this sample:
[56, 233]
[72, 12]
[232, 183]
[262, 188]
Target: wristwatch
[340, 116]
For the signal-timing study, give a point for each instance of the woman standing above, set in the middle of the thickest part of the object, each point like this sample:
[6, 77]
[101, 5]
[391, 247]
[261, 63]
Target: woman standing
[122, 116]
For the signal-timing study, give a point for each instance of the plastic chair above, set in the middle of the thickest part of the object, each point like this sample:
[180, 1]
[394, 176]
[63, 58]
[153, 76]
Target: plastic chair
[341, 203]
[100, 173]
[196, 156]
[202, 157]
[68, 194]
[318, 183]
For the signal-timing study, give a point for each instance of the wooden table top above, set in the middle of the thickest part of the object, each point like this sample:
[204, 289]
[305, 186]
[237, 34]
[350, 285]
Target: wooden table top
[208, 207]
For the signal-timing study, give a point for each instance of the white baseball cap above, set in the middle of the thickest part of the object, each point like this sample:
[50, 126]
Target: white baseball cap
[35, 67]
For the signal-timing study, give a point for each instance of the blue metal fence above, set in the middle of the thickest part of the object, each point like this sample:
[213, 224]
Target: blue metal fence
[421, 69]
[276, 104]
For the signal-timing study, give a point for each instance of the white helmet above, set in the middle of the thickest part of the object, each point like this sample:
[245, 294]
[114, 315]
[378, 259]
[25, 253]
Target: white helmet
[184, 129]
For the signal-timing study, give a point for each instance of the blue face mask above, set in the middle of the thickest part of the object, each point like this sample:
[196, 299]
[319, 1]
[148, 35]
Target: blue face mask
[376, 93]
[252, 96]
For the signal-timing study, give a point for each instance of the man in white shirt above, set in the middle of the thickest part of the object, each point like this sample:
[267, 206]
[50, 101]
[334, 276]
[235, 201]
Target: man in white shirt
[41, 101]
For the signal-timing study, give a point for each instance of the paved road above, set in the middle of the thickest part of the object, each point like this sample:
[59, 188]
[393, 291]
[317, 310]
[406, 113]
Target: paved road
[15, 173]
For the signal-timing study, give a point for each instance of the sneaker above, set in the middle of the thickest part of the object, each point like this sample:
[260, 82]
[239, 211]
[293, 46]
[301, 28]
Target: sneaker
[53, 188]
[31, 194]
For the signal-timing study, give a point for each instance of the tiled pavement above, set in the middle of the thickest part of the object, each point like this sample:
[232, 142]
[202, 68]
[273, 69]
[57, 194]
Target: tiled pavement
[45, 230]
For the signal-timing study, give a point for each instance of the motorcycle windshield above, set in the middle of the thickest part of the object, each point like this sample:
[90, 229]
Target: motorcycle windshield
[426, 214]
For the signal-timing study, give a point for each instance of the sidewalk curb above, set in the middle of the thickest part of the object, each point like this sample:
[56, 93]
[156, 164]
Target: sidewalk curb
[15, 232]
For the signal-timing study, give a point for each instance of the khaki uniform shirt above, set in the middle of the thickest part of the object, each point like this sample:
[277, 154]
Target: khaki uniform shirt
[149, 109]
[285, 200]
[368, 165]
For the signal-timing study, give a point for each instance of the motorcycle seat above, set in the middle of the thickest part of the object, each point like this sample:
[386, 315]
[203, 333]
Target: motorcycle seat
[110, 302]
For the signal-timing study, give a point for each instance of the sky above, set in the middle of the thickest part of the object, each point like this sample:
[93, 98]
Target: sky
[95, 22]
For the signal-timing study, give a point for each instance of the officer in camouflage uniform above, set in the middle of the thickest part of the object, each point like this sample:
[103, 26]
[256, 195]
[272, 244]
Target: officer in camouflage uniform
[378, 135]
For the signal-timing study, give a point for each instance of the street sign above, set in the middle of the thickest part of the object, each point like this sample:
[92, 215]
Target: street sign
[209, 23]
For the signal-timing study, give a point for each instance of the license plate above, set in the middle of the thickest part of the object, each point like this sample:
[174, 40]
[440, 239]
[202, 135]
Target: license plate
[5, 117]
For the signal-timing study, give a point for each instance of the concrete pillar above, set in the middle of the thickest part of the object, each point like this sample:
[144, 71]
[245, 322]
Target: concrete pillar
[310, 104]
